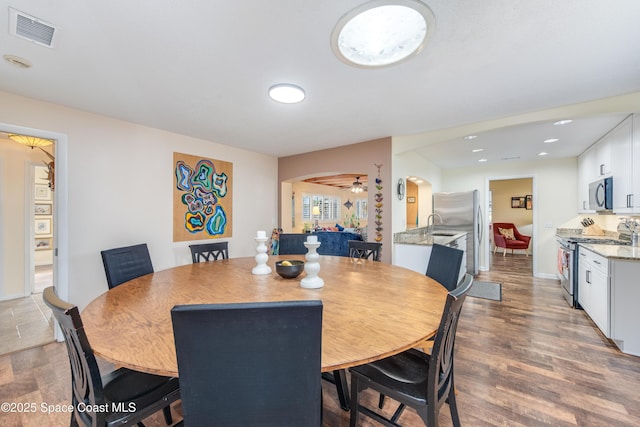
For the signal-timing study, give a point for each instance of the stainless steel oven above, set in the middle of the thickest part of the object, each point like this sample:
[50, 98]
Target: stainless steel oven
[568, 270]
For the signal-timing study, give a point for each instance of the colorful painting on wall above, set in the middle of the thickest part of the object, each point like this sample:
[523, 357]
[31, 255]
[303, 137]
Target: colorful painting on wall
[202, 198]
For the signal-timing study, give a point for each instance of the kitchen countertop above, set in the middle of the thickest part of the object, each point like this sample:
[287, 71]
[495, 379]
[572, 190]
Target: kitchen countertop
[609, 249]
[420, 236]
[623, 252]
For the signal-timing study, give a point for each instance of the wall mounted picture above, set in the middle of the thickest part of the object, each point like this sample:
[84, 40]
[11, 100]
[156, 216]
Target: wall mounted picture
[42, 226]
[411, 199]
[43, 192]
[528, 202]
[518, 202]
[42, 209]
[202, 198]
[43, 244]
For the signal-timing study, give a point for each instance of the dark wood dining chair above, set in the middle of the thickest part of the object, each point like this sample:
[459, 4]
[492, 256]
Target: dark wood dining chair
[250, 364]
[292, 244]
[413, 378]
[209, 251]
[364, 250]
[444, 265]
[126, 263]
[107, 400]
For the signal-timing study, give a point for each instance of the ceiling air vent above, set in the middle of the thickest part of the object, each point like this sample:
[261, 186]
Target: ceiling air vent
[31, 28]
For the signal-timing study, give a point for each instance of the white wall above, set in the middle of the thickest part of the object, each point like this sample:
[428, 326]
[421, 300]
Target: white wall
[555, 199]
[120, 188]
[412, 164]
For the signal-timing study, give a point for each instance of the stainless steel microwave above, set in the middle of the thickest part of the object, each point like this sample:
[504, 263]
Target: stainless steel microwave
[601, 195]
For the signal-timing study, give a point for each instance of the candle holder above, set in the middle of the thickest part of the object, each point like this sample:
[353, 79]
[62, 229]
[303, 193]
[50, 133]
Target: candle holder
[261, 256]
[312, 267]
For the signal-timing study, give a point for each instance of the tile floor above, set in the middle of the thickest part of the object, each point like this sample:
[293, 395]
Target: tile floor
[26, 322]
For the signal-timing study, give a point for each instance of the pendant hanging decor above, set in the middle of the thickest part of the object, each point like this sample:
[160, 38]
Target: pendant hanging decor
[348, 204]
[378, 199]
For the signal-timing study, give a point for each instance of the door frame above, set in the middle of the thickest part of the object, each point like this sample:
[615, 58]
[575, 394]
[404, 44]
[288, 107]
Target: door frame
[60, 210]
[534, 192]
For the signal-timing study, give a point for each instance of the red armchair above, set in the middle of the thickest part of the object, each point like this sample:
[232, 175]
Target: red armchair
[509, 238]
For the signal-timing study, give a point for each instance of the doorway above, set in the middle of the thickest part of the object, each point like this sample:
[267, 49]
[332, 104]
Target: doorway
[28, 247]
[511, 200]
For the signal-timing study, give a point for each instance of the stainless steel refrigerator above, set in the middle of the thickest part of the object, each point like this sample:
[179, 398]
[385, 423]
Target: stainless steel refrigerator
[461, 212]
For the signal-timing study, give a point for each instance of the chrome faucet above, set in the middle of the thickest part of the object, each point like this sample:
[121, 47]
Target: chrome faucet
[432, 218]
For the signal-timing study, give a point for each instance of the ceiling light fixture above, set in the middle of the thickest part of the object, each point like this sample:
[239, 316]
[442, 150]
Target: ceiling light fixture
[357, 187]
[470, 137]
[563, 122]
[381, 33]
[17, 61]
[550, 140]
[477, 150]
[30, 141]
[286, 93]
[482, 160]
[543, 153]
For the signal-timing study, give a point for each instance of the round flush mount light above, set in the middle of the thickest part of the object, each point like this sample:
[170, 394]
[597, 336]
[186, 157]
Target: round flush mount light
[562, 122]
[381, 33]
[286, 93]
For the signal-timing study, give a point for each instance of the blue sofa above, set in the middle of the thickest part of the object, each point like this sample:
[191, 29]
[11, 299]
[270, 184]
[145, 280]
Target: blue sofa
[331, 242]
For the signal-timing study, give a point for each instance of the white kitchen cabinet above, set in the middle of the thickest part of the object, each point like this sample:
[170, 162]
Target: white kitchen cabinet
[461, 243]
[622, 150]
[593, 288]
[416, 256]
[586, 174]
[625, 294]
[603, 157]
[411, 256]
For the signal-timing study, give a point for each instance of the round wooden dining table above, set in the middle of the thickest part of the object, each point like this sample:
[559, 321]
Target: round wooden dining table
[371, 310]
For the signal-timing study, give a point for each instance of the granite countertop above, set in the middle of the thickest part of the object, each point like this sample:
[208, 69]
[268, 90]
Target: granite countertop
[623, 252]
[422, 236]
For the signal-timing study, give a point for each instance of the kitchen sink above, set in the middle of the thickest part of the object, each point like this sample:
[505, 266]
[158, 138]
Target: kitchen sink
[440, 233]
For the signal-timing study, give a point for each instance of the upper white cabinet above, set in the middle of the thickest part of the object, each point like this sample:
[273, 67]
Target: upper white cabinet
[617, 154]
[625, 150]
[603, 157]
[586, 174]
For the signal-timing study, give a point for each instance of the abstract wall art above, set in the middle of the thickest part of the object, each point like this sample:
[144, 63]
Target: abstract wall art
[202, 198]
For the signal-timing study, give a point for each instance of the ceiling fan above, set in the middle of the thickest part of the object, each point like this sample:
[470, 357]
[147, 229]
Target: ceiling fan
[357, 187]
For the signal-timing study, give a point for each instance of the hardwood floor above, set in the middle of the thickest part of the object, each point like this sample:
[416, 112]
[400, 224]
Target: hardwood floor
[528, 360]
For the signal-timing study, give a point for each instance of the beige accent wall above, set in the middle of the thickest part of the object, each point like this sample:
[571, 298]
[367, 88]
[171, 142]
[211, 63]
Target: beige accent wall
[502, 191]
[355, 158]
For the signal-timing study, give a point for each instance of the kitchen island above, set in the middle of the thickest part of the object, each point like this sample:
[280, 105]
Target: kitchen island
[412, 248]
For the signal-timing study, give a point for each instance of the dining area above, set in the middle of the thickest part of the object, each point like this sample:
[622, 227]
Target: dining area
[231, 341]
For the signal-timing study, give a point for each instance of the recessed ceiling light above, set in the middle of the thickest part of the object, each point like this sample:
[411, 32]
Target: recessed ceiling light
[477, 150]
[482, 160]
[470, 137]
[543, 153]
[286, 93]
[381, 33]
[562, 122]
[550, 140]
